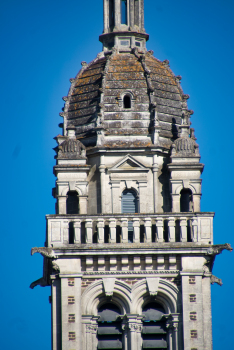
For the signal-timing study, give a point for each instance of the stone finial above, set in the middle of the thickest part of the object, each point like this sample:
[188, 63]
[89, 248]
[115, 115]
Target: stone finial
[71, 148]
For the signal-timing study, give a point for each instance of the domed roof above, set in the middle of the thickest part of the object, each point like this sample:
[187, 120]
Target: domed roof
[95, 102]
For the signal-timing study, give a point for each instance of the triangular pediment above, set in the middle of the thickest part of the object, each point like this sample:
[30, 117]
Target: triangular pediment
[129, 163]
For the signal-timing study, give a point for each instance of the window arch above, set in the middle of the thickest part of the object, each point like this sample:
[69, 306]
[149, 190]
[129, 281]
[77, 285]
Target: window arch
[186, 200]
[154, 332]
[129, 204]
[109, 327]
[72, 202]
[127, 103]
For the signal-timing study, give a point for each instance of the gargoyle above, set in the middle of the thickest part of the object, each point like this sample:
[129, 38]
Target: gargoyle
[40, 282]
[45, 252]
[215, 279]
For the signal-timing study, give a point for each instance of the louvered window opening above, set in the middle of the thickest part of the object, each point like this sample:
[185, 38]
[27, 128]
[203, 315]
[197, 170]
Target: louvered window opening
[154, 333]
[129, 206]
[109, 327]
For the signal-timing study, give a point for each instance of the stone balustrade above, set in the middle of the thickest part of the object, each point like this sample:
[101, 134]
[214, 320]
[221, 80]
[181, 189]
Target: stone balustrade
[132, 228]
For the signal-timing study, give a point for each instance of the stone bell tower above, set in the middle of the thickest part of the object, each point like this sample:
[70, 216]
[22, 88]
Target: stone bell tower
[128, 254]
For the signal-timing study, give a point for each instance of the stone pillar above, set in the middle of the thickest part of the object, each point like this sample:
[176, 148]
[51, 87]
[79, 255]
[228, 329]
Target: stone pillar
[106, 15]
[142, 196]
[159, 225]
[148, 230]
[183, 229]
[194, 230]
[175, 203]
[124, 227]
[115, 185]
[171, 226]
[155, 181]
[83, 204]
[89, 231]
[117, 15]
[196, 203]
[112, 226]
[142, 20]
[131, 14]
[207, 317]
[136, 230]
[62, 204]
[65, 232]
[102, 181]
[100, 229]
[77, 231]
[71, 311]
[56, 314]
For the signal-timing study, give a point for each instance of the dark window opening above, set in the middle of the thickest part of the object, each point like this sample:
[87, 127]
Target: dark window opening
[106, 234]
[154, 332]
[138, 44]
[109, 327]
[127, 101]
[111, 13]
[177, 231]
[71, 233]
[186, 200]
[124, 13]
[129, 205]
[189, 231]
[142, 233]
[165, 231]
[154, 233]
[72, 202]
[118, 234]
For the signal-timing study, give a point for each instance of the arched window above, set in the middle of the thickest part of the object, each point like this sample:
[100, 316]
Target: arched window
[186, 200]
[111, 14]
[124, 12]
[109, 327]
[127, 101]
[129, 205]
[72, 202]
[154, 332]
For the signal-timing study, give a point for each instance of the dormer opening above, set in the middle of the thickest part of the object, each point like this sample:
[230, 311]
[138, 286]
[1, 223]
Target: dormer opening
[186, 200]
[127, 102]
[72, 202]
[124, 12]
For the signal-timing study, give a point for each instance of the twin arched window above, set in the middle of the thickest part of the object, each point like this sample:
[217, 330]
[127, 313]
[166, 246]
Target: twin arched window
[154, 332]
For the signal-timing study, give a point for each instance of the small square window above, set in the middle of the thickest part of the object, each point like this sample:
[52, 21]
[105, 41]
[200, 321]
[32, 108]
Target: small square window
[192, 280]
[71, 282]
[124, 43]
[192, 298]
[193, 334]
[71, 300]
[138, 43]
[193, 316]
[72, 335]
[71, 318]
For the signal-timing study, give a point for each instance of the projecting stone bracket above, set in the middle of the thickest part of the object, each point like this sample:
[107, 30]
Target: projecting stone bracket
[45, 252]
[215, 279]
[40, 282]
[217, 249]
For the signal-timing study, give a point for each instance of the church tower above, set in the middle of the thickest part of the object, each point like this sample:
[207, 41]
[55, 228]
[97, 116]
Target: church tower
[128, 254]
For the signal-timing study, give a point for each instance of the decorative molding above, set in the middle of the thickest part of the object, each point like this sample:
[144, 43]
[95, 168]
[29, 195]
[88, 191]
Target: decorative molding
[153, 272]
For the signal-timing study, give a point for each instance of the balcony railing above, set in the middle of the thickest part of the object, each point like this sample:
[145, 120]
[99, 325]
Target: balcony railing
[129, 228]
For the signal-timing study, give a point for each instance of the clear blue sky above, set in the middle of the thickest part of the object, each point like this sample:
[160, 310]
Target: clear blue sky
[42, 45]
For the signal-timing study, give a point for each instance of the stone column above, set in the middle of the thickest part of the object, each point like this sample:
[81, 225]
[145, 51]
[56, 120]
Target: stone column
[142, 196]
[136, 230]
[175, 203]
[89, 231]
[148, 230]
[102, 183]
[56, 313]
[159, 225]
[194, 230]
[197, 202]
[77, 231]
[171, 226]
[65, 232]
[62, 204]
[71, 310]
[100, 229]
[106, 15]
[115, 185]
[124, 227]
[207, 317]
[131, 14]
[112, 226]
[183, 229]
[155, 181]
[142, 20]
[117, 15]
[83, 204]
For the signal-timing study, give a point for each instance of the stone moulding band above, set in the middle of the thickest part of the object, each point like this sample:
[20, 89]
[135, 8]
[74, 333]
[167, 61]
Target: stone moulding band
[155, 272]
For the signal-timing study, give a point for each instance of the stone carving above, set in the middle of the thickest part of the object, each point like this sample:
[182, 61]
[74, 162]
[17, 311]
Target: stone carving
[40, 282]
[217, 249]
[108, 284]
[215, 279]
[184, 146]
[55, 266]
[72, 147]
[152, 284]
[45, 252]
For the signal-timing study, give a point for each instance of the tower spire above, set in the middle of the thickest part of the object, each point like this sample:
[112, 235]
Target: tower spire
[123, 24]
